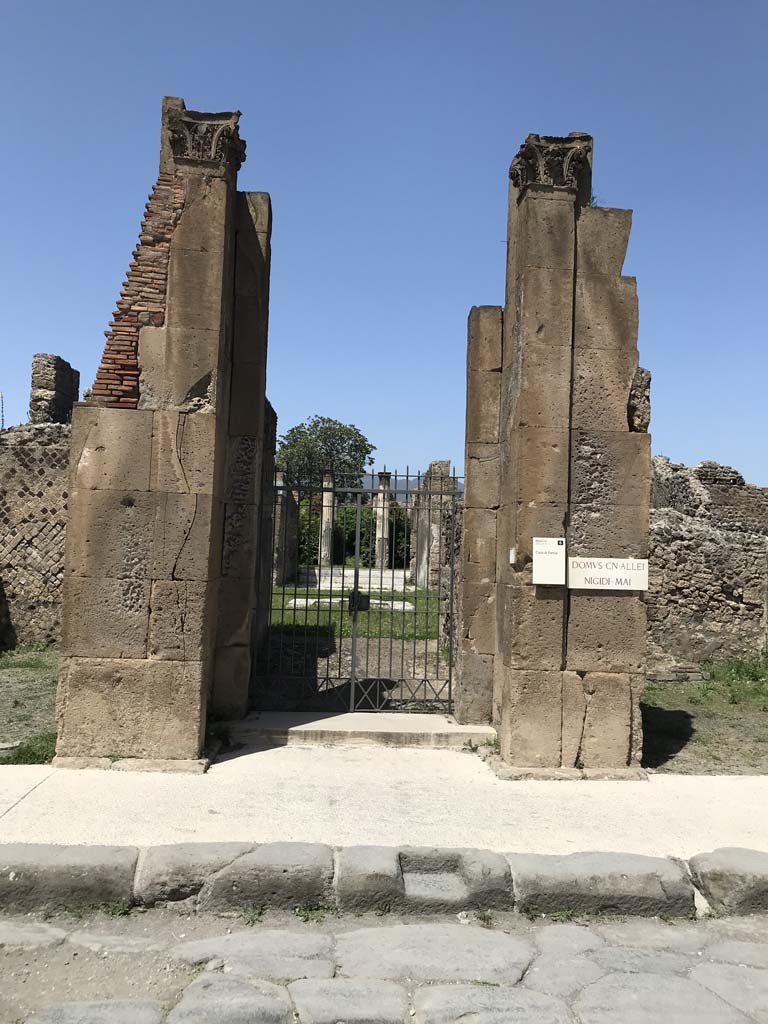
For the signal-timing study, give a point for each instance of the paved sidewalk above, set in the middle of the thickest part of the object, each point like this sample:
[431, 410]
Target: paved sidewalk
[164, 967]
[391, 797]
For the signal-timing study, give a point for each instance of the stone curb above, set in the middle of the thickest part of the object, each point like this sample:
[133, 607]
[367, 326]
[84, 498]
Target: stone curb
[231, 877]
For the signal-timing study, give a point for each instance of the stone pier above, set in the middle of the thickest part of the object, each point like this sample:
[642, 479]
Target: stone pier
[166, 466]
[325, 553]
[382, 500]
[557, 446]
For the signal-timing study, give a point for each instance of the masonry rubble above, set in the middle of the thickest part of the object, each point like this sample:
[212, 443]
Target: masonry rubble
[168, 461]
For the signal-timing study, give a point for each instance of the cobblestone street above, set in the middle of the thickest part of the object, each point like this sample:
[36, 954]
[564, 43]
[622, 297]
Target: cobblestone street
[166, 966]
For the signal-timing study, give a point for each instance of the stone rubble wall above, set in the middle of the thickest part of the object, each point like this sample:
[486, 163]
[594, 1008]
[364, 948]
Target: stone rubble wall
[55, 389]
[708, 580]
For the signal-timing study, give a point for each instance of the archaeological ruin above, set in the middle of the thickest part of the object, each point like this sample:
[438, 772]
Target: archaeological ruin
[198, 580]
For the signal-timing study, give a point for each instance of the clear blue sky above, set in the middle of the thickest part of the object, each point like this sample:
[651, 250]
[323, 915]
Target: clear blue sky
[384, 133]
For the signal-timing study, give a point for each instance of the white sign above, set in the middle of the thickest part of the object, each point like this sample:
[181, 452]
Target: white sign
[549, 561]
[607, 573]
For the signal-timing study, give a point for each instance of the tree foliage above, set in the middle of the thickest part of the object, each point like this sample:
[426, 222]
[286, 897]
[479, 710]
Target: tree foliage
[306, 451]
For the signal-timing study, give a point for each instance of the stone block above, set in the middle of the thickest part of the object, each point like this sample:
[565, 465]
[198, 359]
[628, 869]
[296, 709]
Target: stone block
[530, 626]
[483, 398]
[602, 379]
[234, 613]
[601, 883]
[542, 464]
[531, 716]
[478, 605]
[202, 225]
[246, 412]
[244, 467]
[273, 954]
[606, 632]
[474, 688]
[277, 874]
[734, 880]
[546, 308]
[231, 679]
[354, 1001]
[190, 369]
[637, 686]
[104, 618]
[607, 734]
[479, 546]
[182, 620]
[574, 712]
[35, 878]
[369, 878]
[131, 708]
[184, 457]
[109, 534]
[602, 236]
[240, 545]
[484, 338]
[441, 880]
[610, 468]
[544, 387]
[546, 232]
[605, 312]
[187, 537]
[195, 289]
[222, 999]
[535, 519]
[483, 483]
[111, 449]
[167, 874]
[609, 531]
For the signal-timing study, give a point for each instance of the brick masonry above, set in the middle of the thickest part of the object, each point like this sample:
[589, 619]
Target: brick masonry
[142, 299]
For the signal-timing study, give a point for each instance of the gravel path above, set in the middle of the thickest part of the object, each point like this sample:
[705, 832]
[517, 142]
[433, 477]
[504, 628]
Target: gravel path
[164, 967]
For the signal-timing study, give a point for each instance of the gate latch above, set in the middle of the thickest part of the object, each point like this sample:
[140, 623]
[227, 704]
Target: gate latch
[359, 602]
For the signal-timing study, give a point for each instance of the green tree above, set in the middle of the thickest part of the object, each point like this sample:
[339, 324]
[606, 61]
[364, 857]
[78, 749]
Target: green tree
[306, 451]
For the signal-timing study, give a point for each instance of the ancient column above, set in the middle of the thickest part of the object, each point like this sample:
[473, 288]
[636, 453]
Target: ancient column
[382, 521]
[573, 463]
[325, 557]
[149, 603]
[286, 533]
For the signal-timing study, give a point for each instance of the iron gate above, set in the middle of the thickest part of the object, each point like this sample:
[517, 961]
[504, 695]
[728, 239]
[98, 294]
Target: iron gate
[362, 602]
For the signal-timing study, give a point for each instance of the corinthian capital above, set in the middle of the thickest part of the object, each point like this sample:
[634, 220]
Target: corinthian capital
[561, 162]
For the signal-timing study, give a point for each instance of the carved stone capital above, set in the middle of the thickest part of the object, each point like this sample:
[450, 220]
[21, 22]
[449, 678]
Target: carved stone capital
[212, 139]
[561, 162]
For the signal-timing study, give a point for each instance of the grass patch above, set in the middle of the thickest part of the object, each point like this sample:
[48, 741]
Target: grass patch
[28, 677]
[38, 749]
[312, 913]
[420, 624]
[120, 909]
[252, 915]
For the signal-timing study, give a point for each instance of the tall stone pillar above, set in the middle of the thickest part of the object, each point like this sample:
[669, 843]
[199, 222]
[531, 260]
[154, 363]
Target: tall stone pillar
[573, 464]
[152, 456]
[285, 561]
[325, 554]
[382, 521]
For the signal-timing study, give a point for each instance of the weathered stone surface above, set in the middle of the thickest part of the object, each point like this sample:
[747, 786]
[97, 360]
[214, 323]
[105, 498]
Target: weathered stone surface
[29, 935]
[478, 563]
[602, 236]
[610, 467]
[368, 878]
[605, 312]
[483, 396]
[446, 879]
[478, 632]
[546, 309]
[606, 531]
[535, 519]
[484, 338]
[531, 718]
[232, 673]
[602, 382]
[214, 999]
[732, 951]
[649, 998]
[111, 449]
[607, 730]
[105, 618]
[195, 281]
[545, 386]
[562, 976]
[354, 1002]
[98, 942]
[642, 961]
[451, 1004]
[177, 871]
[271, 954]
[434, 952]
[130, 708]
[474, 688]
[108, 1011]
[606, 632]
[640, 933]
[734, 880]
[109, 534]
[531, 622]
[746, 988]
[181, 622]
[482, 484]
[184, 453]
[280, 874]
[542, 464]
[546, 236]
[567, 940]
[187, 537]
[41, 877]
[595, 883]
[639, 401]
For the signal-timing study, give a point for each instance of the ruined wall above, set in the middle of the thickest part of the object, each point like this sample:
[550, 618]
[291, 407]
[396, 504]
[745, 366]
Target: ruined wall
[708, 595]
[426, 521]
[34, 461]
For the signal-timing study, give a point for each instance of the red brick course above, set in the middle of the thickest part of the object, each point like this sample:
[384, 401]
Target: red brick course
[142, 298]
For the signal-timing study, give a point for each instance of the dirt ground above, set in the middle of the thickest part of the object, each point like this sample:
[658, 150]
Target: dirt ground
[718, 726]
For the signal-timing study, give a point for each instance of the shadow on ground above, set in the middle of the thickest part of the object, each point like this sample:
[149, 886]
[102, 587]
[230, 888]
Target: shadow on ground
[665, 733]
